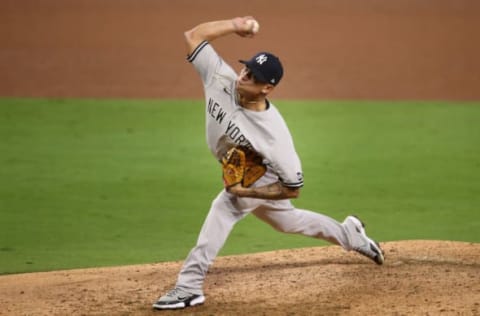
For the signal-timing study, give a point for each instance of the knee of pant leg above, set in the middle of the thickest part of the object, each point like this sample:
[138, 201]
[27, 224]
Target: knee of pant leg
[283, 227]
[275, 220]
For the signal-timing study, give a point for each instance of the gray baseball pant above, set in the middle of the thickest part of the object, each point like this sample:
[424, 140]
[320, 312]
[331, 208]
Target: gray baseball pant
[227, 210]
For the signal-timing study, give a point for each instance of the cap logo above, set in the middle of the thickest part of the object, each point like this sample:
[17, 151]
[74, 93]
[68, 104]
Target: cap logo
[261, 59]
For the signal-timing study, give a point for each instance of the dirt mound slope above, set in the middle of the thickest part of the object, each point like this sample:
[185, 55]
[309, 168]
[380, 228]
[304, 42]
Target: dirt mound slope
[418, 278]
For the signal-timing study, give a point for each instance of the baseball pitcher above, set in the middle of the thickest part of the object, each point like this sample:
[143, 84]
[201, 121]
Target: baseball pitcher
[261, 169]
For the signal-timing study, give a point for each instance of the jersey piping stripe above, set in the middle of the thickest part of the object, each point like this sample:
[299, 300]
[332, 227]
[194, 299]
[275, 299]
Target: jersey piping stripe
[293, 185]
[197, 50]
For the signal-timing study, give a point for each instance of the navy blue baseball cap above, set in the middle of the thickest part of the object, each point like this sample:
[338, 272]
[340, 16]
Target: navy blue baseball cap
[266, 67]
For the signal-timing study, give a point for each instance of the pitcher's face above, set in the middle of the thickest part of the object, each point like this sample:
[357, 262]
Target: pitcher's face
[249, 85]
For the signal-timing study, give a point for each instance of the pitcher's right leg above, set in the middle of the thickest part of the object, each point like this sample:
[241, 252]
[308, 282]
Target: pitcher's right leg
[350, 234]
[308, 223]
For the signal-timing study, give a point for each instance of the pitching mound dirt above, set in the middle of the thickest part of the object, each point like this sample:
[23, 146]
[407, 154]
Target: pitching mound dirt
[418, 278]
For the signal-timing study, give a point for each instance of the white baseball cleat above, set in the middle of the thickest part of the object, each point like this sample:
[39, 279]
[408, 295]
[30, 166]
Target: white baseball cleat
[178, 298]
[360, 242]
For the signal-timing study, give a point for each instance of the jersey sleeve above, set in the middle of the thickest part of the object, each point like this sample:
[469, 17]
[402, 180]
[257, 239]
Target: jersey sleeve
[278, 148]
[270, 136]
[208, 63]
[286, 164]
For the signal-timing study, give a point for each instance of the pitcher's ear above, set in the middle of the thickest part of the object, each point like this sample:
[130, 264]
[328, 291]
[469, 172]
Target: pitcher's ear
[267, 88]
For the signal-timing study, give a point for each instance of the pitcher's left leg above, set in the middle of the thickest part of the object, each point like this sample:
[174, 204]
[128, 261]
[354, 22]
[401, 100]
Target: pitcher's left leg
[223, 215]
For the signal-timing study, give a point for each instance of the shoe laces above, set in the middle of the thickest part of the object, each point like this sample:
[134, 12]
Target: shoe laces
[173, 293]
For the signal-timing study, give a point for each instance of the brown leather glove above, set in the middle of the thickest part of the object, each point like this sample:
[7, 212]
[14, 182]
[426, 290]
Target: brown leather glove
[242, 165]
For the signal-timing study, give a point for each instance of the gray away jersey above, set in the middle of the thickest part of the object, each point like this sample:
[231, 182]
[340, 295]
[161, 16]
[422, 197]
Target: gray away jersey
[229, 124]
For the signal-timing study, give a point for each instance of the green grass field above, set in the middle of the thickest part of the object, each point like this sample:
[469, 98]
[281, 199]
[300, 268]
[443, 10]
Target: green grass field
[114, 182]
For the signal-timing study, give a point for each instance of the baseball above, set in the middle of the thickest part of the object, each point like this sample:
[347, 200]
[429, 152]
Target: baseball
[254, 26]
